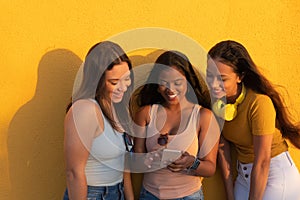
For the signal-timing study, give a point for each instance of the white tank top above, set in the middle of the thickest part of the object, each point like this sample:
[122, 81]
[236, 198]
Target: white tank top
[105, 163]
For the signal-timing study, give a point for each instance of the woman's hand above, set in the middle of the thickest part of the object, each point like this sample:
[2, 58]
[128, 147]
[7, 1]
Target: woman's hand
[152, 159]
[182, 163]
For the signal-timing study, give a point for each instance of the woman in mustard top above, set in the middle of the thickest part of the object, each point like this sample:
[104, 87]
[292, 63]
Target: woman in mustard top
[256, 123]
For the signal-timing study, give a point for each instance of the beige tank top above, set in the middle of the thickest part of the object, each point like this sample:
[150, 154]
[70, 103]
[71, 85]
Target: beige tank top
[163, 183]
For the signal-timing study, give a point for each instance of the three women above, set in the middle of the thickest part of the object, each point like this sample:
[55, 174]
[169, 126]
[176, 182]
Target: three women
[174, 109]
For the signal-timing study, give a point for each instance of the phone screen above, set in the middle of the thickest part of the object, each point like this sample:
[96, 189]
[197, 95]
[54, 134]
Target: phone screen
[169, 156]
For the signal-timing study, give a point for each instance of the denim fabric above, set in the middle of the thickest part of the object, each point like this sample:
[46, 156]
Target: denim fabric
[115, 192]
[145, 195]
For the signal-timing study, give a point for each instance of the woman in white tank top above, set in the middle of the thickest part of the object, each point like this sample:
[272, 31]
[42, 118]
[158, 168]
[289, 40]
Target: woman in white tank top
[175, 115]
[94, 125]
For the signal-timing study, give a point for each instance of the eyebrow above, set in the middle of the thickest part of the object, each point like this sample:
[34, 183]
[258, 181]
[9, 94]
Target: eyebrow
[224, 75]
[116, 79]
[113, 79]
[221, 75]
[179, 79]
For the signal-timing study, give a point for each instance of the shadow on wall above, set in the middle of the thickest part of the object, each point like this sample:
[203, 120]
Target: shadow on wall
[35, 135]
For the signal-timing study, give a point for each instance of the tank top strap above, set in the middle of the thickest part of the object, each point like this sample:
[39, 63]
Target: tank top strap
[195, 114]
[152, 113]
[93, 100]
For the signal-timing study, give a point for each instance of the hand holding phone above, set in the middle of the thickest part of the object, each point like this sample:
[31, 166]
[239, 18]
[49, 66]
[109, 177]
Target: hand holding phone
[169, 156]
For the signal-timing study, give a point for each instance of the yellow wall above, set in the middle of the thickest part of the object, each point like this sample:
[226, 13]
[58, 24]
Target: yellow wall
[44, 42]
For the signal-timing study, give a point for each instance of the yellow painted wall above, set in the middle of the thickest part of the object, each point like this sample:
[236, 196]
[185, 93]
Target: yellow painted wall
[44, 42]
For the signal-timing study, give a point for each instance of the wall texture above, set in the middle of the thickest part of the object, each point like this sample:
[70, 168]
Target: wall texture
[44, 42]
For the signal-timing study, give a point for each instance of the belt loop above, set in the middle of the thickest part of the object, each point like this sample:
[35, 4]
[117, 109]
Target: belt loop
[105, 190]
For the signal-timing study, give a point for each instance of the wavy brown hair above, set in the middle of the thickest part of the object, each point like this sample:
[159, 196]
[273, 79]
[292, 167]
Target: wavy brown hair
[101, 58]
[236, 56]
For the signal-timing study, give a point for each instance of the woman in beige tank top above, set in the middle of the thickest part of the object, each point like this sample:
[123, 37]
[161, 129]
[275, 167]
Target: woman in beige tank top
[175, 115]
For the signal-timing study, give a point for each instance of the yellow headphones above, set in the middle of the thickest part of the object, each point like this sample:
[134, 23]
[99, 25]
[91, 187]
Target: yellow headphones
[228, 111]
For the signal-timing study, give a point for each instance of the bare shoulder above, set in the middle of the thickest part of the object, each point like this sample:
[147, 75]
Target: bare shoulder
[84, 105]
[143, 115]
[84, 110]
[205, 112]
[145, 110]
[206, 116]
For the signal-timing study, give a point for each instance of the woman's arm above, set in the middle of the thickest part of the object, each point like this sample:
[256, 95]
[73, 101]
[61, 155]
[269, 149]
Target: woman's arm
[141, 120]
[263, 123]
[79, 132]
[224, 162]
[208, 138]
[128, 190]
[261, 165]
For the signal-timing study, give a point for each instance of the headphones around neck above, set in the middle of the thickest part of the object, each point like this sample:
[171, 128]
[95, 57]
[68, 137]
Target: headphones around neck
[228, 111]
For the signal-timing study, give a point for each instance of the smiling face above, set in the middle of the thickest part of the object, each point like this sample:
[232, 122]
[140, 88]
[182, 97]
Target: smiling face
[222, 80]
[172, 85]
[117, 81]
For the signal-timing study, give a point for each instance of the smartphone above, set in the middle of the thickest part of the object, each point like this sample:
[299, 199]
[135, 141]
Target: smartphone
[168, 156]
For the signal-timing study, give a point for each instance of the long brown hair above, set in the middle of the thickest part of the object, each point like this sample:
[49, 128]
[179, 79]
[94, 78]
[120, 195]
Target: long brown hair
[236, 56]
[101, 58]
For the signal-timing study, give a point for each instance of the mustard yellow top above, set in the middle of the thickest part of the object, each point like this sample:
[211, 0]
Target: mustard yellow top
[255, 116]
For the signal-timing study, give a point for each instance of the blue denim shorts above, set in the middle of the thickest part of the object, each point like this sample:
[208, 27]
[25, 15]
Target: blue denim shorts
[115, 192]
[145, 195]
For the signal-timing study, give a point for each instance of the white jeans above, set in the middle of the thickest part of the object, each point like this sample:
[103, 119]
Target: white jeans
[283, 180]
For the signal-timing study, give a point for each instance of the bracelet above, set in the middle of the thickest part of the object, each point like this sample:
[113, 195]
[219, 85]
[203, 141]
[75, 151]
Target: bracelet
[195, 164]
